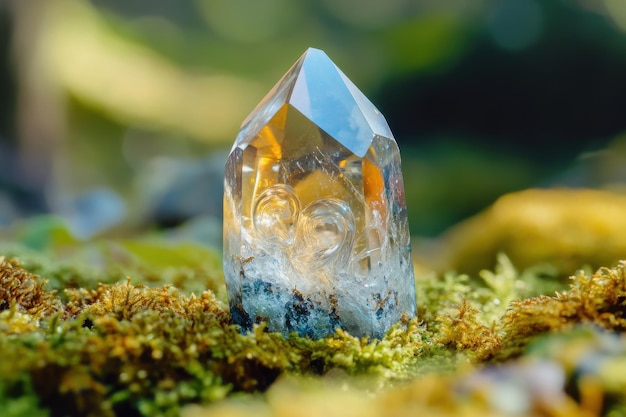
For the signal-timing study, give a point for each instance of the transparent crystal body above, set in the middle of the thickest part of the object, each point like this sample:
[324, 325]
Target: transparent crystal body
[315, 225]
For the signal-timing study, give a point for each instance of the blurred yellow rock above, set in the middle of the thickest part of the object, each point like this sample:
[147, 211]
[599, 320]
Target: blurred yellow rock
[566, 228]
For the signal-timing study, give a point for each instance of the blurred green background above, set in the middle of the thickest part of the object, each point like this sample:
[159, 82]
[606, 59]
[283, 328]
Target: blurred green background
[116, 116]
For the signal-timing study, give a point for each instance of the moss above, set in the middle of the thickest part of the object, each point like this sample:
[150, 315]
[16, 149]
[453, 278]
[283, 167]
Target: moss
[126, 348]
[465, 331]
[566, 229]
[24, 292]
[18, 399]
[598, 298]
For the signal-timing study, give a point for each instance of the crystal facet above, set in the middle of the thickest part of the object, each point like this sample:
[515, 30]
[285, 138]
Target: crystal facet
[315, 225]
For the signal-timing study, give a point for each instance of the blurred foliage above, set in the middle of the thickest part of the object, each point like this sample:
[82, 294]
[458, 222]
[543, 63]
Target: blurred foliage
[110, 106]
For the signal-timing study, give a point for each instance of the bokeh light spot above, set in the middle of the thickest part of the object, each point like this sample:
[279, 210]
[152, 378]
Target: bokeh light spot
[516, 24]
[249, 21]
[366, 13]
[617, 10]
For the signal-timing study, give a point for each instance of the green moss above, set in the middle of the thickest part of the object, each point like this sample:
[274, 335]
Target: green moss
[598, 298]
[18, 398]
[126, 348]
[565, 229]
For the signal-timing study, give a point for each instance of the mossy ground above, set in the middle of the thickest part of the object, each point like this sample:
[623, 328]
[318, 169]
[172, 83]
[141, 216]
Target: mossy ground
[73, 346]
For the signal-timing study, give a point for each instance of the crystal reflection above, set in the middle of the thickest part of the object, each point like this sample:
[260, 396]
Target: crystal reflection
[275, 213]
[325, 233]
[321, 234]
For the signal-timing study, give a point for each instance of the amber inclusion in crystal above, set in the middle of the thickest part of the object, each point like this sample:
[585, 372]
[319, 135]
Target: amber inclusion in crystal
[315, 225]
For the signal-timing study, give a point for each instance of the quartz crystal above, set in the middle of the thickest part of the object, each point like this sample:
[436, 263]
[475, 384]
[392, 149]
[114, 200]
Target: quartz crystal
[315, 225]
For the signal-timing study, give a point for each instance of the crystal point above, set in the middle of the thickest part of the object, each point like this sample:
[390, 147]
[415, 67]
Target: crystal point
[316, 234]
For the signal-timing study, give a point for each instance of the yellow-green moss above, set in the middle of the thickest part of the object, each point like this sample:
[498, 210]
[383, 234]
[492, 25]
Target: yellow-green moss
[24, 292]
[127, 348]
[563, 228]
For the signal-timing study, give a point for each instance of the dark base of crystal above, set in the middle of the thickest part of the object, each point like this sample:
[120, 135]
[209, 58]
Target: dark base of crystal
[239, 315]
[295, 312]
[301, 313]
[298, 312]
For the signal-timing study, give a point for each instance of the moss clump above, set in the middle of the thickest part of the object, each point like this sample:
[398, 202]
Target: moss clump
[564, 228]
[598, 298]
[465, 331]
[24, 292]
